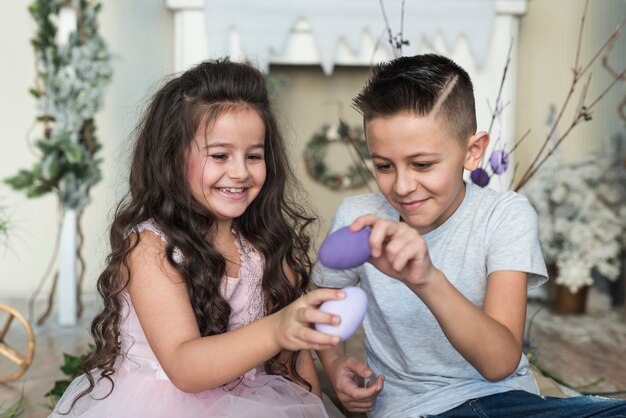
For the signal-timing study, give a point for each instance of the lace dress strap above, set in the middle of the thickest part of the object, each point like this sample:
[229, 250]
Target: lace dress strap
[151, 226]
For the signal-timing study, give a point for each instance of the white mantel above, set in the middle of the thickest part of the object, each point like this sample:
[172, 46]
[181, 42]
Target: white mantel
[191, 46]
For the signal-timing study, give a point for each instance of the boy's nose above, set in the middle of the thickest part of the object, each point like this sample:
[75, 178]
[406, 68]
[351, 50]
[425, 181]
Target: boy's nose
[404, 184]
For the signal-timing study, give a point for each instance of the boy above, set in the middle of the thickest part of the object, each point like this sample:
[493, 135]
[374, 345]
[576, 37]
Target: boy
[450, 264]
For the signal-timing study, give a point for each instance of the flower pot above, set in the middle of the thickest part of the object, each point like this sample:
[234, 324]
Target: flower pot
[566, 302]
[562, 300]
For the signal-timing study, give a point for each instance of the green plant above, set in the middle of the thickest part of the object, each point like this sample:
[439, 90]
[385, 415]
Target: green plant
[69, 89]
[4, 224]
[14, 410]
[72, 369]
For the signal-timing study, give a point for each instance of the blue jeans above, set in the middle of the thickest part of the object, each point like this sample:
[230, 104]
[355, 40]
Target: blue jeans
[518, 403]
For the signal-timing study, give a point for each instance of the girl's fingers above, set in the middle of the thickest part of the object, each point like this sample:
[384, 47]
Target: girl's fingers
[317, 296]
[312, 315]
[319, 339]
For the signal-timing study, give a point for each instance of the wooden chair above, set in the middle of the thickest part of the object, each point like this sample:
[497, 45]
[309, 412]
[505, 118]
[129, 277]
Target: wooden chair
[23, 361]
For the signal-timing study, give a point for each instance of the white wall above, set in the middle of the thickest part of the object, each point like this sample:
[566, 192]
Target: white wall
[548, 40]
[139, 33]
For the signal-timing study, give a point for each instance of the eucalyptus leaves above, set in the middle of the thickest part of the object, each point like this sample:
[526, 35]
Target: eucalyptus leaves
[72, 73]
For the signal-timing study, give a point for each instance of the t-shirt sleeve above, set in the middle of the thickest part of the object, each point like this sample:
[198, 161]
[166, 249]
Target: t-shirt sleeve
[326, 277]
[512, 239]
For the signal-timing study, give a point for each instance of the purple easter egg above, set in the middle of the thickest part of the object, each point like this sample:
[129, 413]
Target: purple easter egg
[351, 310]
[499, 161]
[480, 177]
[344, 249]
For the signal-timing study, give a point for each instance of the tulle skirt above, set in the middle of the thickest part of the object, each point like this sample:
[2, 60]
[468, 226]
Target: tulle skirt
[138, 395]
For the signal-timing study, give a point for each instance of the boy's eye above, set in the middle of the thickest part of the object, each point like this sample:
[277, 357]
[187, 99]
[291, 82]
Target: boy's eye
[422, 166]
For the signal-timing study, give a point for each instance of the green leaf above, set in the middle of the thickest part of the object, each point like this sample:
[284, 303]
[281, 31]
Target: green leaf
[73, 153]
[34, 92]
[22, 180]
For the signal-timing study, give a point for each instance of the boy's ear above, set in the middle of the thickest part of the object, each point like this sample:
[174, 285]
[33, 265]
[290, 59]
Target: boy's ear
[476, 147]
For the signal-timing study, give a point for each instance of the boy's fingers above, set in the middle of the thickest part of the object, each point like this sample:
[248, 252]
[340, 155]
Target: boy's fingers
[363, 221]
[364, 394]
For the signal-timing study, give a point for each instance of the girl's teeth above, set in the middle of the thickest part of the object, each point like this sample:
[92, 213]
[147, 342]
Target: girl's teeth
[238, 191]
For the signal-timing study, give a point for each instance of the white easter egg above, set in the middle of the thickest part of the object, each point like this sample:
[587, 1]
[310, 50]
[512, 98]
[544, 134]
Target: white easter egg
[351, 310]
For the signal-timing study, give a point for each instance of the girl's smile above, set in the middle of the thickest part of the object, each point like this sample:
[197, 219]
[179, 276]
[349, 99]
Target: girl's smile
[226, 163]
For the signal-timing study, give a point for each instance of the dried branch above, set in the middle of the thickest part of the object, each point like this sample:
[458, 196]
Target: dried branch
[621, 107]
[583, 114]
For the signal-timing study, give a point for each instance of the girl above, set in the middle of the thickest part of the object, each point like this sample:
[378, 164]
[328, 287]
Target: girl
[202, 311]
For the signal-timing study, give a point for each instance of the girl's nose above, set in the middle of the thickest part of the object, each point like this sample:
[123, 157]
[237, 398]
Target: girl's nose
[238, 170]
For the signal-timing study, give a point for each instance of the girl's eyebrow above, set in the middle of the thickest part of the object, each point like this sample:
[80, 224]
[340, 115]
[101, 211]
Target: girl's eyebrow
[231, 145]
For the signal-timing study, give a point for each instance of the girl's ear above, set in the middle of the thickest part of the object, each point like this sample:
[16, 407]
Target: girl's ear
[476, 147]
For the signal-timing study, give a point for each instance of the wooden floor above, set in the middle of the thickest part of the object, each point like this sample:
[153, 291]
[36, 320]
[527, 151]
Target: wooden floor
[578, 349]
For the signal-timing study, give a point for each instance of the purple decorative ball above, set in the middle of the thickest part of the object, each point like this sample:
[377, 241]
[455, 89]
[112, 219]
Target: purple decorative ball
[351, 310]
[499, 161]
[480, 177]
[344, 249]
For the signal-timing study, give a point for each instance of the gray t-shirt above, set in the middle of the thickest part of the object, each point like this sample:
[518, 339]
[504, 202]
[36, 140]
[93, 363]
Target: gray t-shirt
[423, 372]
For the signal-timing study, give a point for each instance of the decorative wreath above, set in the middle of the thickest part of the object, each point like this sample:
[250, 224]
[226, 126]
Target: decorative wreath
[357, 175]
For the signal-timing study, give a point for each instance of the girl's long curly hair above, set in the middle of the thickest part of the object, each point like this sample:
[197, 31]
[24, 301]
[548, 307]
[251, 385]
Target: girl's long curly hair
[274, 223]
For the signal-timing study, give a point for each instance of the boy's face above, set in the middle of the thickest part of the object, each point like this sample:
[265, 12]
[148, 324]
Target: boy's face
[418, 166]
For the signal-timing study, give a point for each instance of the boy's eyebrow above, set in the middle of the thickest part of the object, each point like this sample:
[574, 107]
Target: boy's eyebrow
[417, 154]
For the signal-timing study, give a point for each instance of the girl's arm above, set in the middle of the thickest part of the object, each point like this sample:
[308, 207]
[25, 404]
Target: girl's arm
[194, 363]
[306, 369]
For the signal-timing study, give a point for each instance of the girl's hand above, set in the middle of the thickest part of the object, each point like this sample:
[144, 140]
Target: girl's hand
[293, 327]
[398, 250]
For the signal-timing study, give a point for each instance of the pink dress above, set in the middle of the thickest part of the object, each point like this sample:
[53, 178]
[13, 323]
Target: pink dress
[142, 389]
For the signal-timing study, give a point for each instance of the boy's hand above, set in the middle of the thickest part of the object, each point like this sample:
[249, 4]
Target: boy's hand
[293, 329]
[352, 396]
[398, 250]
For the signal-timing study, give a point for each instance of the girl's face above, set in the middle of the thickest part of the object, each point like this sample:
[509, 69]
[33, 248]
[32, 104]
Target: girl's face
[419, 168]
[225, 164]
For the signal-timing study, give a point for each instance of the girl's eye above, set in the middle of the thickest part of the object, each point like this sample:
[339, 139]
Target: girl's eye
[255, 157]
[383, 167]
[219, 157]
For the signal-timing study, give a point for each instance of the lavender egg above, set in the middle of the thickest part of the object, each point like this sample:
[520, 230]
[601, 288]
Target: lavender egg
[499, 161]
[351, 310]
[344, 249]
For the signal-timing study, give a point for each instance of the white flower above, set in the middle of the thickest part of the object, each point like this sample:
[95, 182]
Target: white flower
[332, 133]
[582, 215]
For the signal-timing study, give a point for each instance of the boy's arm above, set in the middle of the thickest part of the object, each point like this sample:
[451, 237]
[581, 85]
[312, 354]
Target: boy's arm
[342, 371]
[489, 339]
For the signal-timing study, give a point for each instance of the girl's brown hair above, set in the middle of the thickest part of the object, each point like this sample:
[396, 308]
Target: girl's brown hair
[274, 223]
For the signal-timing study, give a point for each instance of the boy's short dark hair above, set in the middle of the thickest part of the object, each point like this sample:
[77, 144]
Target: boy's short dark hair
[423, 85]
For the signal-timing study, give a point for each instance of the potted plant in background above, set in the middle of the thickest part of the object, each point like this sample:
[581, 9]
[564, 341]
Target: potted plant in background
[73, 66]
[582, 217]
